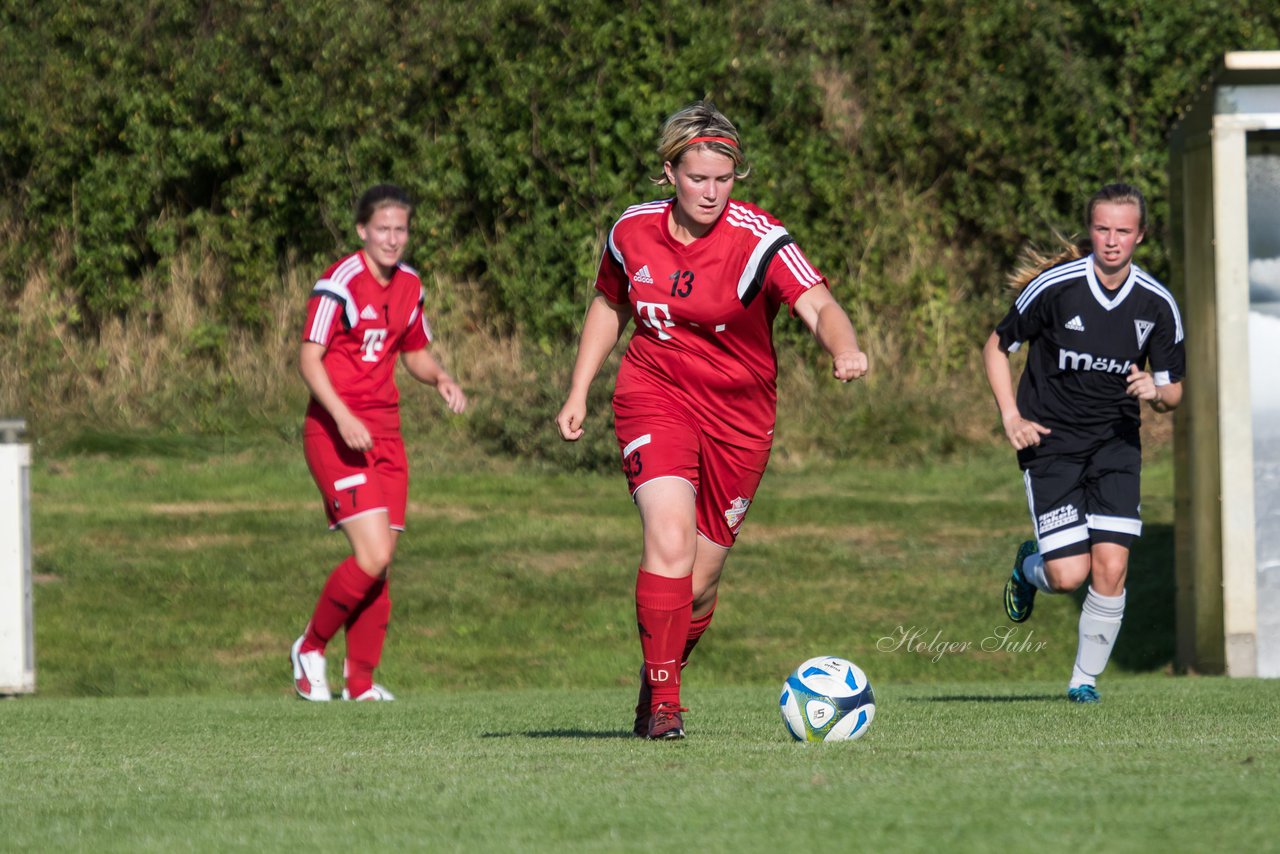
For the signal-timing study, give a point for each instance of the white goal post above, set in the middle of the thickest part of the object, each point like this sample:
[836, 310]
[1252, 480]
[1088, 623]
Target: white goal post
[17, 627]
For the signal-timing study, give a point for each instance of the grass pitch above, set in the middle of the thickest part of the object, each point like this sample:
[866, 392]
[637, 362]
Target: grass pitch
[176, 570]
[1181, 765]
[172, 577]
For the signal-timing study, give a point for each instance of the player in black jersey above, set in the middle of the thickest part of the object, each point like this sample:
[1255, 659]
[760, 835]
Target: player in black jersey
[1101, 335]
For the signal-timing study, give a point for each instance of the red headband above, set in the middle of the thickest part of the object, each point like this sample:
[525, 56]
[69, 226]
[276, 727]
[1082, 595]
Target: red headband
[721, 139]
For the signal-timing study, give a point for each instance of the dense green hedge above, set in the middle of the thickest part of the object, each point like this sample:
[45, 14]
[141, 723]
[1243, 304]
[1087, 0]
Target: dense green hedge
[912, 146]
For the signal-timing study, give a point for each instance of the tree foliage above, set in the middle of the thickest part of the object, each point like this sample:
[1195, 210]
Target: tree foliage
[913, 147]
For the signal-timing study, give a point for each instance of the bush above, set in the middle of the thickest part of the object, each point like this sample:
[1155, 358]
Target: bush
[912, 147]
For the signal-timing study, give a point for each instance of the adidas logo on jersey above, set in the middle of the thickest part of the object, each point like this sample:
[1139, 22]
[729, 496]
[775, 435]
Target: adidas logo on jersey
[1075, 324]
[642, 276]
[369, 313]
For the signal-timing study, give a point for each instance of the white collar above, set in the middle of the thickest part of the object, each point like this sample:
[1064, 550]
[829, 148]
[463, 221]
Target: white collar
[1109, 299]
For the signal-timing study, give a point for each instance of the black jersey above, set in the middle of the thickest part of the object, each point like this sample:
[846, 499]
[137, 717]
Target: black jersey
[1082, 340]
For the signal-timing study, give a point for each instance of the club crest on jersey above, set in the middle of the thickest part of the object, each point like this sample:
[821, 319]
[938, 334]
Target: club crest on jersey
[643, 276]
[737, 510]
[369, 313]
[1075, 324]
[1143, 328]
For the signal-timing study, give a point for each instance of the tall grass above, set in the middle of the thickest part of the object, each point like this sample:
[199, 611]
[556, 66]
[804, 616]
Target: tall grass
[169, 364]
[173, 365]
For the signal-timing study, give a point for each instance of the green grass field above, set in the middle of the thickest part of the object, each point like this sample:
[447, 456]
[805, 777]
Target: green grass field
[1162, 764]
[172, 576]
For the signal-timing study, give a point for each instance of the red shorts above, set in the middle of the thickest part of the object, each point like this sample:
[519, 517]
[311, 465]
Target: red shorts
[356, 483]
[658, 438]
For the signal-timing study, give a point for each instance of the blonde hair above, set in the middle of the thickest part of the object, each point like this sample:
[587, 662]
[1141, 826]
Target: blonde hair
[1033, 261]
[699, 119]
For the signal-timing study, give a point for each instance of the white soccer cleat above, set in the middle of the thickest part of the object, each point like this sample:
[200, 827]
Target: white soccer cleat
[309, 678]
[377, 692]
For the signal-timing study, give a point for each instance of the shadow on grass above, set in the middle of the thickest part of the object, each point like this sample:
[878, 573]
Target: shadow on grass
[987, 698]
[561, 733]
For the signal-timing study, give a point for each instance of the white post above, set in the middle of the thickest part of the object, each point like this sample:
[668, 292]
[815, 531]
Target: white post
[1235, 413]
[17, 625]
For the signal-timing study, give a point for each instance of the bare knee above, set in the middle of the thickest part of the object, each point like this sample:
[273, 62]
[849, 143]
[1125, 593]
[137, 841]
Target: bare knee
[1108, 579]
[669, 548]
[703, 599]
[1110, 568]
[1067, 574]
[1062, 585]
[374, 559]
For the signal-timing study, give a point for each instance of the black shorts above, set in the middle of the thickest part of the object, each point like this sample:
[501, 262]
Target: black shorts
[1077, 500]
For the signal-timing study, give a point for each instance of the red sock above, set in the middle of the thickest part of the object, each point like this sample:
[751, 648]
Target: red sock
[697, 625]
[663, 610]
[366, 631]
[342, 594]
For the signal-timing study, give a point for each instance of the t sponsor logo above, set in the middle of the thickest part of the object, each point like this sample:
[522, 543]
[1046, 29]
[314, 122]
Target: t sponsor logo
[1075, 324]
[656, 315]
[1070, 360]
[372, 346]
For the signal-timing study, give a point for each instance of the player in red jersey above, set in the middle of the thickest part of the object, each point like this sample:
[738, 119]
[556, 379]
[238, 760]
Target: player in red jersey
[703, 276]
[364, 310]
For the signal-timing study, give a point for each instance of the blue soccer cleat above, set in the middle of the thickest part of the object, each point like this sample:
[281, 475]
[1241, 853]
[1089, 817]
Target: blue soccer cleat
[1083, 694]
[1020, 594]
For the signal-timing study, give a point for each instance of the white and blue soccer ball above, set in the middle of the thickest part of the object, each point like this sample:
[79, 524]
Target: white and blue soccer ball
[827, 699]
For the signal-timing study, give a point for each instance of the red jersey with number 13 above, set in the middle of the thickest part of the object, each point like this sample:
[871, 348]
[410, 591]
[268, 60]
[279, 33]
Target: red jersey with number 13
[704, 313]
[363, 326]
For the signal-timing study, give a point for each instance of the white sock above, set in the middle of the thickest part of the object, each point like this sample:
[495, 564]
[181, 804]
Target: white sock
[1099, 625]
[1033, 571]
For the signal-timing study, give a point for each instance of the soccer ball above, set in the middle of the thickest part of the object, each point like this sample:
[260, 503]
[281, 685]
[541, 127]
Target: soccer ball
[827, 699]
